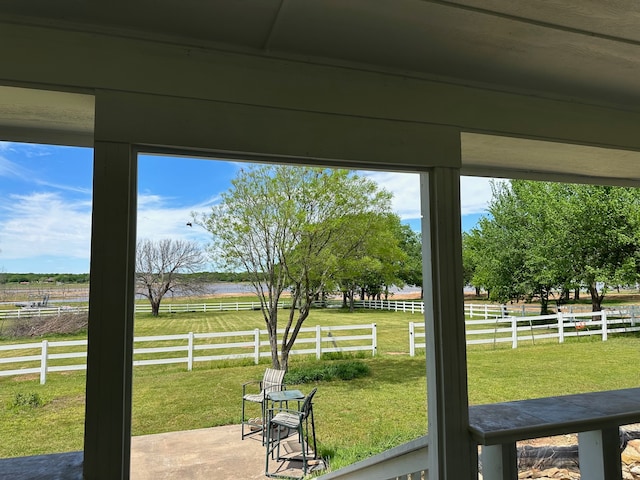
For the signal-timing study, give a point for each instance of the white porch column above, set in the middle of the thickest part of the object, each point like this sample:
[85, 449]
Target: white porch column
[111, 307]
[599, 454]
[452, 454]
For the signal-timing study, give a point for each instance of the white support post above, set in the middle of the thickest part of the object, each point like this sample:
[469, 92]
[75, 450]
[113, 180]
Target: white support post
[256, 346]
[605, 333]
[43, 362]
[107, 439]
[318, 342]
[599, 454]
[500, 462]
[190, 352]
[412, 340]
[374, 339]
[514, 332]
[486, 312]
[452, 453]
[561, 327]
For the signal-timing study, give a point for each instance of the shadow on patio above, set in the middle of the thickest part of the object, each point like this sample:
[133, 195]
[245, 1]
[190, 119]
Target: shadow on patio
[206, 453]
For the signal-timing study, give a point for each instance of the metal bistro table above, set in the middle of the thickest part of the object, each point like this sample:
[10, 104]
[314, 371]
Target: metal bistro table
[280, 397]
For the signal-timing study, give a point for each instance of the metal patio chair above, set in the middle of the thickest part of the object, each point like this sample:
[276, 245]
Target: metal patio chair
[271, 382]
[281, 422]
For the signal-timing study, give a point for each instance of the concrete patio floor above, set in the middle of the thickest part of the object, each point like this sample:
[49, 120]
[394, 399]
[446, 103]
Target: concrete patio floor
[204, 454]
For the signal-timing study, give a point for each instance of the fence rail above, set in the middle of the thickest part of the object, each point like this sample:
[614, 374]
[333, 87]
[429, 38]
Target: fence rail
[30, 312]
[514, 330]
[52, 356]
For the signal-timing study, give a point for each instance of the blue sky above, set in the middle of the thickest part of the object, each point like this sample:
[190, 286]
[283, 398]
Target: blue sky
[45, 202]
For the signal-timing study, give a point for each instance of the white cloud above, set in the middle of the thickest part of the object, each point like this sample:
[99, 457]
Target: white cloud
[475, 192]
[44, 224]
[158, 219]
[9, 168]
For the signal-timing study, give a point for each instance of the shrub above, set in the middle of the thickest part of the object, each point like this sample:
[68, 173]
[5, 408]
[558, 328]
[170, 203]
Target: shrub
[32, 400]
[64, 324]
[318, 372]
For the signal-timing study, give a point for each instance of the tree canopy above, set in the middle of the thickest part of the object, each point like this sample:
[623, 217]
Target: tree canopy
[159, 265]
[543, 237]
[294, 228]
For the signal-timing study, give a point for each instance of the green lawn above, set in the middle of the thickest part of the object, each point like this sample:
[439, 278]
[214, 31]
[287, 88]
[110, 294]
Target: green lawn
[354, 419]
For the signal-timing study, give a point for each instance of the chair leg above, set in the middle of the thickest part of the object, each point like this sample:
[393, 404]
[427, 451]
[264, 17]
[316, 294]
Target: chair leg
[242, 420]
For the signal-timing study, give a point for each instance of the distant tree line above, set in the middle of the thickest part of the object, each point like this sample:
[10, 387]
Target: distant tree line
[201, 277]
[543, 240]
[44, 278]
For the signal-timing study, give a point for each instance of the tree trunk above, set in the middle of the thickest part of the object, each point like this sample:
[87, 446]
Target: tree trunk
[351, 303]
[576, 294]
[272, 326]
[344, 299]
[596, 298]
[544, 301]
[155, 308]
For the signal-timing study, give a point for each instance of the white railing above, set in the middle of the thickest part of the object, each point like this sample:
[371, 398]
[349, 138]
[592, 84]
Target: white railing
[139, 308]
[404, 462]
[188, 348]
[529, 329]
[392, 305]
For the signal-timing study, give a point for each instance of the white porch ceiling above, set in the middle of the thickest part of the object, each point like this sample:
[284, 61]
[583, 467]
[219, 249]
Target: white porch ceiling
[583, 50]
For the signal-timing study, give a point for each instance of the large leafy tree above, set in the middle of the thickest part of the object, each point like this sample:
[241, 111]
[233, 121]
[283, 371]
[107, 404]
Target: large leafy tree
[541, 238]
[161, 267]
[290, 228]
[376, 262]
[411, 267]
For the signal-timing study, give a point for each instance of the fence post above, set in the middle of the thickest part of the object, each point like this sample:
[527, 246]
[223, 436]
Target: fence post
[43, 362]
[524, 311]
[514, 332]
[256, 348]
[412, 346]
[561, 327]
[318, 342]
[374, 340]
[471, 310]
[603, 317]
[486, 312]
[190, 352]
[632, 313]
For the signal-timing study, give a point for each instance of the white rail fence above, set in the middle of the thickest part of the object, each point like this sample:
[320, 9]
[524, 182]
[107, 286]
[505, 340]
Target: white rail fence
[58, 356]
[515, 330]
[140, 308]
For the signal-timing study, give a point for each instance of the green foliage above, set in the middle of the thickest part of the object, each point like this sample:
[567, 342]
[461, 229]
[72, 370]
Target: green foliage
[46, 277]
[543, 237]
[323, 371]
[31, 400]
[296, 228]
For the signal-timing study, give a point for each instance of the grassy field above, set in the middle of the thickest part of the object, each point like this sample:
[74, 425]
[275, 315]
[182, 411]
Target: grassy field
[354, 419]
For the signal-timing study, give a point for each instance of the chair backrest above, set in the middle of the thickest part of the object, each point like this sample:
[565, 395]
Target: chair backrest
[308, 404]
[272, 380]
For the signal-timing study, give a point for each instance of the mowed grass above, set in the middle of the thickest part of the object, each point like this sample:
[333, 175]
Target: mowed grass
[354, 419]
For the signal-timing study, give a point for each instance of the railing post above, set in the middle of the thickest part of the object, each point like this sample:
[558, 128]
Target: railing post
[43, 362]
[561, 327]
[632, 313]
[190, 352]
[486, 312]
[374, 340]
[318, 342]
[603, 317]
[256, 350]
[514, 332]
[412, 337]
